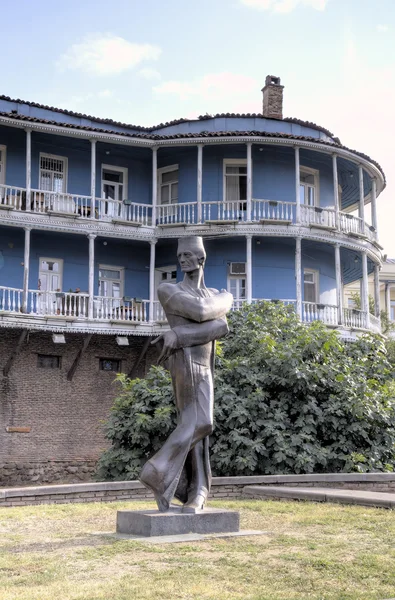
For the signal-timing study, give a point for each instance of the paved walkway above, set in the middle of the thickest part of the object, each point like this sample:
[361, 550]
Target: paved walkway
[316, 494]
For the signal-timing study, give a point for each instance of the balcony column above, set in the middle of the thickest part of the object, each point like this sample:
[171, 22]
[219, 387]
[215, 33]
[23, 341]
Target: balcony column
[199, 182]
[249, 180]
[298, 276]
[152, 280]
[91, 284]
[374, 204]
[249, 268]
[377, 290]
[28, 168]
[365, 288]
[26, 265]
[339, 294]
[297, 185]
[361, 199]
[93, 178]
[388, 299]
[336, 191]
[154, 183]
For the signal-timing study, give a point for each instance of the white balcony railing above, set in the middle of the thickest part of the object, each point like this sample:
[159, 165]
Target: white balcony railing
[56, 202]
[10, 299]
[354, 318]
[235, 211]
[65, 304]
[12, 197]
[273, 210]
[315, 215]
[118, 309]
[159, 313]
[185, 213]
[312, 311]
[177, 214]
[132, 212]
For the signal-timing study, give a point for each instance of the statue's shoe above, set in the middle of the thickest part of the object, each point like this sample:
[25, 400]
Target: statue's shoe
[196, 501]
[148, 476]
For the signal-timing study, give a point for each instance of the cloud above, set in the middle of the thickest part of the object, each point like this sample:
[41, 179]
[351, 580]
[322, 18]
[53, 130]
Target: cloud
[106, 94]
[106, 54]
[214, 86]
[150, 74]
[382, 28]
[284, 6]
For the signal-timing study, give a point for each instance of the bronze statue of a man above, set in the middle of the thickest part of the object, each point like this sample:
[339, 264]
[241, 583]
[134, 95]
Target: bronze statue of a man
[197, 317]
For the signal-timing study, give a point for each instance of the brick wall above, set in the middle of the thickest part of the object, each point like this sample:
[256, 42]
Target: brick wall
[64, 417]
[222, 488]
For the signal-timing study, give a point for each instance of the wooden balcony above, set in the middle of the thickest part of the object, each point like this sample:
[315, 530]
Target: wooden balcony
[61, 308]
[263, 211]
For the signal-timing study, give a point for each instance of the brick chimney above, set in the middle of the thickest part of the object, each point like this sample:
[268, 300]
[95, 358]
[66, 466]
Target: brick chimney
[273, 98]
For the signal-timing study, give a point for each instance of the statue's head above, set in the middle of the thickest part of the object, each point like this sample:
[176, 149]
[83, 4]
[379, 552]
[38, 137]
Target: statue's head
[191, 253]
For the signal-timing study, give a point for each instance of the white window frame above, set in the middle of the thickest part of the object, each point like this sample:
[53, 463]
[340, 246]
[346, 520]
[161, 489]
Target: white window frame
[60, 273]
[160, 172]
[122, 170]
[235, 162]
[4, 162]
[121, 280]
[65, 161]
[316, 274]
[316, 174]
[158, 276]
[238, 276]
[392, 310]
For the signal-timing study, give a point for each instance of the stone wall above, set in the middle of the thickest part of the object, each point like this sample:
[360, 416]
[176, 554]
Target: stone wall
[60, 422]
[222, 488]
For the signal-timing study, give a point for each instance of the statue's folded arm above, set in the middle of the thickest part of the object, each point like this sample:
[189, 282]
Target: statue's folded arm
[196, 334]
[193, 307]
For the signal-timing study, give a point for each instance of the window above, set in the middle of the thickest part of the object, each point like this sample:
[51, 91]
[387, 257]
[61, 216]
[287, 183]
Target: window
[351, 303]
[392, 310]
[110, 364]
[237, 282]
[114, 183]
[165, 275]
[2, 165]
[53, 173]
[235, 181]
[310, 284]
[309, 179]
[111, 281]
[50, 274]
[168, 185]
[48, 361]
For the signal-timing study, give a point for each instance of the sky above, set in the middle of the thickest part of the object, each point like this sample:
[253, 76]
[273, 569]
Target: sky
[148, 61]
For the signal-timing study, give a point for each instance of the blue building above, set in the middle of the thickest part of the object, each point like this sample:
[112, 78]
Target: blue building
[90, 213]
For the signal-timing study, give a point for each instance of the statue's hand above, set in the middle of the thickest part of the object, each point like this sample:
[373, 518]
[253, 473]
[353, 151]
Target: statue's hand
[170, 343]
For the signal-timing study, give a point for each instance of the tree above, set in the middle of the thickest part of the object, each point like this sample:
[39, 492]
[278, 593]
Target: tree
[289, 398]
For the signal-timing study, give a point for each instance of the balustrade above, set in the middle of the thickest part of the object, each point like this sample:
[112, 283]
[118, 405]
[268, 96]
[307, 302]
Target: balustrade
[10, 299]
[177, 214]
[132, 212]
[313, 311]
[315, 215]
[117, 309]
[65, 304]
[12, 197]
[224, 211]
[354, 318]
[273, 210]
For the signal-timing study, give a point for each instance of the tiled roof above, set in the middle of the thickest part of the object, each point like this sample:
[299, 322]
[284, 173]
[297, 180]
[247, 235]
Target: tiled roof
[202, 134]
[167, 124]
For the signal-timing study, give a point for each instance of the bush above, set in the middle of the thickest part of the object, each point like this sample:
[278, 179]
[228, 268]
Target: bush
[289, 398]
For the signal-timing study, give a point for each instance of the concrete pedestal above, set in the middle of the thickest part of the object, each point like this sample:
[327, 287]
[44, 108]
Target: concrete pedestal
[152, 523]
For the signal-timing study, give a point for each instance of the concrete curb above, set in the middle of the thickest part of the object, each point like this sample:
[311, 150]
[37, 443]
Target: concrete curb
[362, 498]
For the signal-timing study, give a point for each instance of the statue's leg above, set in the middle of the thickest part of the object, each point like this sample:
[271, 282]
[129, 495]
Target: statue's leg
[198, 459]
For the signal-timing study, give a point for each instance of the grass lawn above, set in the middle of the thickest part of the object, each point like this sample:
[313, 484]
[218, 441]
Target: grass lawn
[311, 551]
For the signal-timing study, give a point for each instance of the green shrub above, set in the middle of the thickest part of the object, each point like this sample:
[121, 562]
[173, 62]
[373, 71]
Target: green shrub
[289, 398]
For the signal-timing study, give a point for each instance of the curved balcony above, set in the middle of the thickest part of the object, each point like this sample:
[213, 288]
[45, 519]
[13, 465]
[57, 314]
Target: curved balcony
[74, 307]
[263, 211]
